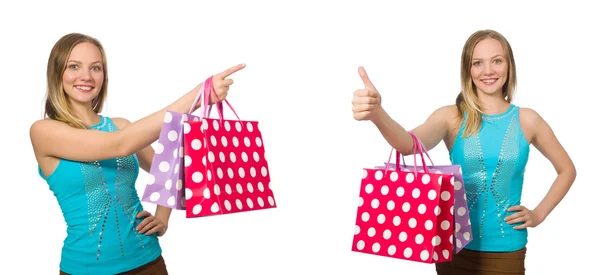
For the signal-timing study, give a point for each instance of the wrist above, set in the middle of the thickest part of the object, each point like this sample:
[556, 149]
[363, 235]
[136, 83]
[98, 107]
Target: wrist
[378, 116]
[540, 213]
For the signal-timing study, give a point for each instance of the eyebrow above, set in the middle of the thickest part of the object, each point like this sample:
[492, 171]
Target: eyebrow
[498, 55]
[75, 61]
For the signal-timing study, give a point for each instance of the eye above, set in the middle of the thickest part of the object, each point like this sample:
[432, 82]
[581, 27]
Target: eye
[73, 66]
[498, 61]
[477, 63]
[97, 68]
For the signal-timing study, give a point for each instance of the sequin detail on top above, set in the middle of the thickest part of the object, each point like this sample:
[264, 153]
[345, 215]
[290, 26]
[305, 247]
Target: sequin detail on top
[99, 198]
[474, 191]
[125, 195]
[507, 161]
[501, 178]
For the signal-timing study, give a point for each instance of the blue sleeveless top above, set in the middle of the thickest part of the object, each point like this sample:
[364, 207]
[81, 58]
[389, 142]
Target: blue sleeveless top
[493, 165]
[99, 204]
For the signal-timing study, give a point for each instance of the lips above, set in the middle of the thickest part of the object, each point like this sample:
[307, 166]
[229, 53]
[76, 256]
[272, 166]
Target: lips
[489, 81]
[84, 88]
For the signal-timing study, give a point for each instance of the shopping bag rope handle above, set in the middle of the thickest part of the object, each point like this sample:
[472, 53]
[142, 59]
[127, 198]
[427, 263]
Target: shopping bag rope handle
[423, 148]
[207, 90]
[417, 146]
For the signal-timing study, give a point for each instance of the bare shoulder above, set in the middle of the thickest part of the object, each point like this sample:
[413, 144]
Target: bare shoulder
[120, 122]
[530, 121]
[448, 114]
[529, 118]
[42, 126]
[448, 110]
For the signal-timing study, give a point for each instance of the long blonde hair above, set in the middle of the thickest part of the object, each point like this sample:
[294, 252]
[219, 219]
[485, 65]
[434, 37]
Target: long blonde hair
[467, 100]
[57, 106]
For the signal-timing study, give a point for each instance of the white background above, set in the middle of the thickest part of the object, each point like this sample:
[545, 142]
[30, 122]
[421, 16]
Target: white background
[302, 59]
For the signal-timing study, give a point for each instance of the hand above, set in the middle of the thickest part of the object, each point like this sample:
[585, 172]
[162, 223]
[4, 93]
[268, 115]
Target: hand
[527, 217]
[221, 83]
[150, 224]
[367, 102]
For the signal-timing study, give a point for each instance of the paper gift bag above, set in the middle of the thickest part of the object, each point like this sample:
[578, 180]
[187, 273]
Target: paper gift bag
[225, 166]
[405, 214]
[165, 187]
[463, 231]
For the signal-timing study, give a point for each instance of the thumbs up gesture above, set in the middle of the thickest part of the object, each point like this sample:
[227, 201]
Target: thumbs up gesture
[366, 103]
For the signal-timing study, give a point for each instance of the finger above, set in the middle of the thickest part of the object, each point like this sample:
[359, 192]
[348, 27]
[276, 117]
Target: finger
[515, 208]
[365, 78]
[155, 229]
[149, 226]
[362, 108]
[365, 100]
[230, 71]
[523, 226]
[514, 216]
[518, 220]
[227, 82]
[143, 214]
[144, 222]
[360, 115]
[365, 93]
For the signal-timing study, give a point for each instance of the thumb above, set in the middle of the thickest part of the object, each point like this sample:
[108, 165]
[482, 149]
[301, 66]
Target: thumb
[365, 78]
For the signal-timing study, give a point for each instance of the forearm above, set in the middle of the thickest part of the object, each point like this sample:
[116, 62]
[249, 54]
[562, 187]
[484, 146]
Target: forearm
[557, 192]
[393, 133]
[163, 214]
[146, 130]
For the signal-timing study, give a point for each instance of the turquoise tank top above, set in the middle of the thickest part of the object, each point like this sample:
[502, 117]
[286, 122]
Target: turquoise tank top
[493, 165]
[99, 204]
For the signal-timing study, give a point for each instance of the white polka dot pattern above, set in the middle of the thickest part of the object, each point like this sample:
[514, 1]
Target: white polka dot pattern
[235, 177]
[166, 188]
[405, 216]
[463, 231]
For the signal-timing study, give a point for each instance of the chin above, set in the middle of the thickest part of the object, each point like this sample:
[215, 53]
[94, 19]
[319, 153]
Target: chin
[489, 90]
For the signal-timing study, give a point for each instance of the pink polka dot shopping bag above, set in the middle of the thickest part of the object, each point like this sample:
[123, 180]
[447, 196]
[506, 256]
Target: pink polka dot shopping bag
[409, 212]
[212, 166]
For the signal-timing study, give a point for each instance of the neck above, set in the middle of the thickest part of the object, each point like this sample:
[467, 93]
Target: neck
[85, 112]
[493, 104]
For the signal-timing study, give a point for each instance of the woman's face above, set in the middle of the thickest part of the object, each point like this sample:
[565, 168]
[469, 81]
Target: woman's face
[489, 67]
[84, 75]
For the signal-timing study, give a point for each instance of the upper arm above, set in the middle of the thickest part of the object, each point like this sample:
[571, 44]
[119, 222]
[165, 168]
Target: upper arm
[145, 155]
[51, 138]
[543, 138]
[436, 127]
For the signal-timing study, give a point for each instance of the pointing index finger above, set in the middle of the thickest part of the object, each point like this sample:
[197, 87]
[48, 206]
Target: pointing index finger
[230, 71]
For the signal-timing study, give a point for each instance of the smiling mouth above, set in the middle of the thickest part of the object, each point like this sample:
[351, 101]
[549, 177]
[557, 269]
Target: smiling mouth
[84, 88]
[489, 81]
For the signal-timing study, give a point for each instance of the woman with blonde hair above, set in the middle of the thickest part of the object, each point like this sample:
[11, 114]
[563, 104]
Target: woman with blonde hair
[91, 163]
[490, 138]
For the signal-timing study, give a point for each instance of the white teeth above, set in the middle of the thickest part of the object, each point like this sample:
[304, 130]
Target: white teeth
[488, 81]
[83, 88]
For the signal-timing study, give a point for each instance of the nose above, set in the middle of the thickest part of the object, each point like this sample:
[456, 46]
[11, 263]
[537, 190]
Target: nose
[86, 75]
[487, 69]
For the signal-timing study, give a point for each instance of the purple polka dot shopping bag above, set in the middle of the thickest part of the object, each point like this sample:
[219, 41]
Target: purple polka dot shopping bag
[166, 185]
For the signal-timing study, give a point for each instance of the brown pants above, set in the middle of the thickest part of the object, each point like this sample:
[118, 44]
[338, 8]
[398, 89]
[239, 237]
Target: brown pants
[156, 267]
[469, 262]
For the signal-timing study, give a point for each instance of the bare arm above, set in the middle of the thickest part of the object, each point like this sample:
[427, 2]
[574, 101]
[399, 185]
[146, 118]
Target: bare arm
[431, 132]
[55, 139]
[367, 106]
[546, 142]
